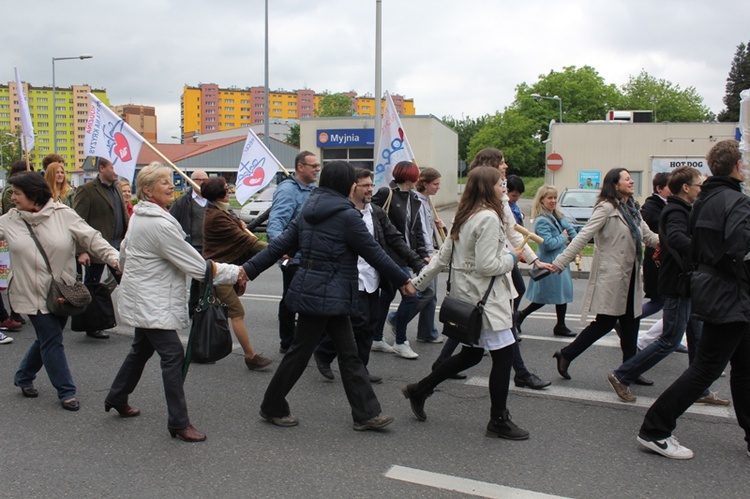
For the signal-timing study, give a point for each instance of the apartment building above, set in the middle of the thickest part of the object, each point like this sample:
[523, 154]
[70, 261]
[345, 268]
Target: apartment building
[208, 108]
[142, 119]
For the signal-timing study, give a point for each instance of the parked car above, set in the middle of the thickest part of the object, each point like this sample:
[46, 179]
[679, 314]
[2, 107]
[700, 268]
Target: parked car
[257, 205]
[577, 205]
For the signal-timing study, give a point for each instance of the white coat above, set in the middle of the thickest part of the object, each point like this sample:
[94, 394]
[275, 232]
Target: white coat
[155, 259]
[479, 254]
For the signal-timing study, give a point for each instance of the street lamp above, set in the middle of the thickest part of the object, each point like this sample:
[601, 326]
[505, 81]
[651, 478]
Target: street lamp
[54, 104]
[538, 97]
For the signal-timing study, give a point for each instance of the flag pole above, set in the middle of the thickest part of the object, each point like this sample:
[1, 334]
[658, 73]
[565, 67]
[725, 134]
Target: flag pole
[25, 153]
[172, 165]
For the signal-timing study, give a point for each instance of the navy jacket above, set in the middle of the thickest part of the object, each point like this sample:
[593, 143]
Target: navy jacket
[330, 234]
[674, 237]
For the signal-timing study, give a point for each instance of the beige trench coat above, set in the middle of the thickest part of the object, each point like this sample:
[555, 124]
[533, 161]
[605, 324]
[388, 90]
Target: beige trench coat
[613, 264]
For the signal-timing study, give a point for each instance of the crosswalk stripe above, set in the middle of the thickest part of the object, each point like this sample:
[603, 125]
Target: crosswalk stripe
[461, 485]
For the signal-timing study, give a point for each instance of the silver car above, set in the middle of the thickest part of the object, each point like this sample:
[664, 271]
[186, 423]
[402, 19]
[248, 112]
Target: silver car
[577, 205]
[258, 204]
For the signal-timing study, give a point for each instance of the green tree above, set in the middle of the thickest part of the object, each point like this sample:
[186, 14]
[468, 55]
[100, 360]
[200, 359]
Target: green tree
[737, 81]
[10, 149]
[517, 136]
[466, 128]
[669, 101]
[293, 136]
[331, 105]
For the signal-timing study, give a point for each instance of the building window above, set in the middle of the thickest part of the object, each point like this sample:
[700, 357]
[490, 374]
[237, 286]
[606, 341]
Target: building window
[360, 157]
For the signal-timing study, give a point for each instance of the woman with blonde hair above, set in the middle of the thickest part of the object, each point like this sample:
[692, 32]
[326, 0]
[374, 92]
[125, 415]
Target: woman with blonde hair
[62, 191]
[557, 232]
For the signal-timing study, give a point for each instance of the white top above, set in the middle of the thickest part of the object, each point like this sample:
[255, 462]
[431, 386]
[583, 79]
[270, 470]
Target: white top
[199, 199]
[369, 278]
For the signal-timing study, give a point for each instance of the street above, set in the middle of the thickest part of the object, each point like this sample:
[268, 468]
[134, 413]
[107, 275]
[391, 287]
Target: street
[582, 438]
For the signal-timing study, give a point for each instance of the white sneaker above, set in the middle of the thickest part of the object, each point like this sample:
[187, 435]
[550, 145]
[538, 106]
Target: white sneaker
[404, 350]
[668, 447]
[5, 339]
[381, 346]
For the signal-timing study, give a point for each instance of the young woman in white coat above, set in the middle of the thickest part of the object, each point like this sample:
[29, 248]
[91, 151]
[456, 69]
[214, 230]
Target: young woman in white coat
[478, 252]
[614, 288]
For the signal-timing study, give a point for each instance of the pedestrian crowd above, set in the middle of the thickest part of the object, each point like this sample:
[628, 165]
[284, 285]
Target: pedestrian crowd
[346, 250]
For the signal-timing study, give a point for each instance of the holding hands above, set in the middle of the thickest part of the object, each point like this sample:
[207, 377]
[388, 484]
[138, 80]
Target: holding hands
[408, 289]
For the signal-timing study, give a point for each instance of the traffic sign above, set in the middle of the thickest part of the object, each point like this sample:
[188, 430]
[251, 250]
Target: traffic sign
[554, 161]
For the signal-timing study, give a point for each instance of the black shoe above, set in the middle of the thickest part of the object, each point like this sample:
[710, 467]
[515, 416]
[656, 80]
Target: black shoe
[643, 381]
[71, 405]
[99, 335]
[17, 317]
[518, 319]
[28, 391]
[452, 376]
[562, 364]
[283, 350]
[375, 380]
[323, 367]
[505, 428]
[559, 330]
[417, 399]
[530, 380]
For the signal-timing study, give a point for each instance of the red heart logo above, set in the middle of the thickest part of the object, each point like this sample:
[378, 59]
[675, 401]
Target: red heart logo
[256, 178]
[401, 134]
[122, 148]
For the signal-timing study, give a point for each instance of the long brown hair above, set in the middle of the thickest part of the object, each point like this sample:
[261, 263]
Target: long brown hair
[50, 175]
[479, 194]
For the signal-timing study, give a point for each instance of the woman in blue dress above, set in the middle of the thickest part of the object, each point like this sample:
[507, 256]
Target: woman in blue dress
[557, 232]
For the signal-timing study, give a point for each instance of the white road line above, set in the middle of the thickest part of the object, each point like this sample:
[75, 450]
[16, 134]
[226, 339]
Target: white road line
[604, 397]
[458, 484]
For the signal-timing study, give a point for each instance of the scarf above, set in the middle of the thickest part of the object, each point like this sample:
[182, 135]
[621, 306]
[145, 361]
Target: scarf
[633, 218]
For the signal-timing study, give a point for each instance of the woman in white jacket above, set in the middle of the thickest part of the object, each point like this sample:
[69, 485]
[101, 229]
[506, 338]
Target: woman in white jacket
[476, 247]
[155, 258]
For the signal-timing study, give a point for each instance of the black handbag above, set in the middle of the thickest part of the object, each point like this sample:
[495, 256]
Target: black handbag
[462, 320]
[100, 314]
[62, 299]
[210, 339]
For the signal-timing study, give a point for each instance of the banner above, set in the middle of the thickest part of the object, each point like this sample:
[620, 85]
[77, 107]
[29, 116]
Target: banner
[27, 128]
[393, 147]
[257, 167]
[108, 136]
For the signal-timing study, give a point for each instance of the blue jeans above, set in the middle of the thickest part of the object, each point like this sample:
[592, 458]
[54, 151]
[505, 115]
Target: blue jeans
[47, 350]
[426, 329]
[676, 316]
[424, 304]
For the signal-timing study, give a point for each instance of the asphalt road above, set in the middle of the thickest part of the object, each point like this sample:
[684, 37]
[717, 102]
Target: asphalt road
[582, 438]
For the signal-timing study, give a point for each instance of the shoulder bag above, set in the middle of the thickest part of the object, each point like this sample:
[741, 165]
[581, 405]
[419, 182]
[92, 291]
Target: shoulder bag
[210, 339]
[63, 299]
[462, 320]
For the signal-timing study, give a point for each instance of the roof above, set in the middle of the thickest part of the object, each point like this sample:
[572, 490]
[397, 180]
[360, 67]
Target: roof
[178, 152]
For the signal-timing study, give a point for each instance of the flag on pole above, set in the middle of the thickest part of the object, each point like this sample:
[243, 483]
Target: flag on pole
[27, 128]
[393, 147]
[257, 167]
[108, 136]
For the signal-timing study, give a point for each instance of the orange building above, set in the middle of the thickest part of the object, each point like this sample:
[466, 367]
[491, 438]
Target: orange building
[141, 118]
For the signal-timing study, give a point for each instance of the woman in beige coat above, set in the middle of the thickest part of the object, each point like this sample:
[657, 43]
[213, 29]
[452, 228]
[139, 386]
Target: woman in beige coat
[613, 292]
[476, 247]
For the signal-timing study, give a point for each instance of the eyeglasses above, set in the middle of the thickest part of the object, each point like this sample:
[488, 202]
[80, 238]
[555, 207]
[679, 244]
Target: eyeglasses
[366, 186]
[315, 165]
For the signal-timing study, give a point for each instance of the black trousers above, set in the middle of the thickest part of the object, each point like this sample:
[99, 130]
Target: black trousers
[167, 344]
[286, 316]
[719, 344]
[363, 325]
[356, 381]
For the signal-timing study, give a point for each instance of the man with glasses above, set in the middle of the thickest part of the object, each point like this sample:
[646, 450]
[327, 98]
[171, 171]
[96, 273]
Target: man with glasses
[288, 199]
[189, 210]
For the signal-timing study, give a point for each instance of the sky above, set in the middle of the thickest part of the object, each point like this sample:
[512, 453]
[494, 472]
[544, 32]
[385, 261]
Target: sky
[462, 59]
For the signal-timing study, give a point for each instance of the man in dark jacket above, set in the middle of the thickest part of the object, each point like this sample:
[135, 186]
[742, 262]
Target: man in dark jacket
[651, 213]
[391, 240]
[720, 290]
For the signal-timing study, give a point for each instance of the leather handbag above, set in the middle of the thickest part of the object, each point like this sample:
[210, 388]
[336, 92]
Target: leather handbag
[210, 339]
[100, 313]
[63, 299]
[462, 320]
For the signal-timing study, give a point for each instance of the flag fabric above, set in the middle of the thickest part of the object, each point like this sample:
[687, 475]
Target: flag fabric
[257, 168]
[108, 136]
[27, 129]
[393, 147]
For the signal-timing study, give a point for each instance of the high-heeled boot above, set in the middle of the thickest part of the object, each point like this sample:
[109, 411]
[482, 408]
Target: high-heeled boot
[417, 397]
[503, 427]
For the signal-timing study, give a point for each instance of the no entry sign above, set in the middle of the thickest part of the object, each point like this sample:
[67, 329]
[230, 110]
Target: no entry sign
[554, 161]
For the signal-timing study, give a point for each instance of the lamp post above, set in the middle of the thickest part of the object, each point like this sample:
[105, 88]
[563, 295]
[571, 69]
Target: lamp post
[538, 97]
[184, 145]
[54, 89]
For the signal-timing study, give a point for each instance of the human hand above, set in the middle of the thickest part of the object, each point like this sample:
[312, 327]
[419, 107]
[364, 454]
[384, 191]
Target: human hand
[565, 233]
[242, 277]
[544, 265]
[439, 223]
[554, 268]
[84, 259]
[408, 289]
[427, 259]
[115, 264]
[518, 252]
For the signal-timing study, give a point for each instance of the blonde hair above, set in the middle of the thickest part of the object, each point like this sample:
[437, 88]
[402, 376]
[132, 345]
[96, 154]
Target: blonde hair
[539, 209]
[150, 174]
[50, 174]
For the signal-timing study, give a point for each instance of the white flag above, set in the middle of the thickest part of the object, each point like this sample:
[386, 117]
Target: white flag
[393, 147]
[257, 168]
[27, 128]
[108, 136]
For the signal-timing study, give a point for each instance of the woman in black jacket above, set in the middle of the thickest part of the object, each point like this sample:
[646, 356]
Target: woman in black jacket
[402, 205]
[330, 234]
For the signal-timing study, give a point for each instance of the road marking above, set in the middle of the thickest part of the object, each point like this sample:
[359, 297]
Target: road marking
[458, 484]
[603, 397]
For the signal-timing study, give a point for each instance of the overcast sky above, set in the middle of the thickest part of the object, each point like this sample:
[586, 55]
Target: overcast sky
[459, 58]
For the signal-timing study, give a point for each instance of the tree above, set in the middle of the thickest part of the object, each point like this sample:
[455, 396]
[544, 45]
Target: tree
[331, 105]
[292, 137]
[737, 81]
[517, 136]
[10, 148]
[669, 101]
[466, 128]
